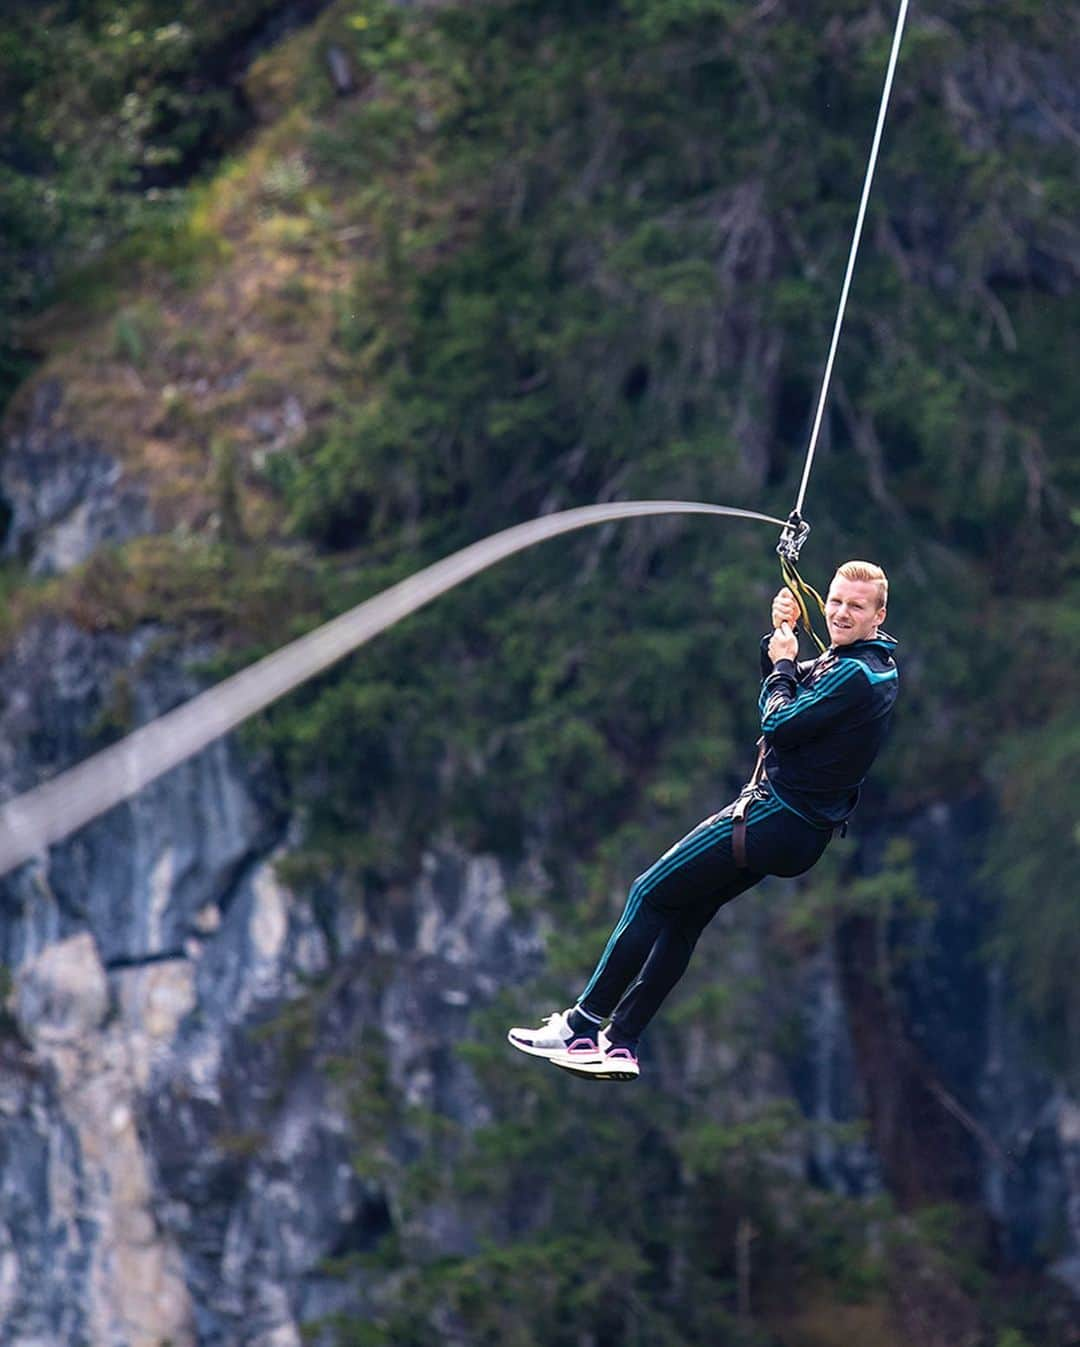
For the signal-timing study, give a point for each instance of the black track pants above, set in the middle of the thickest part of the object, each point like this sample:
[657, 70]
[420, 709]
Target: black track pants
[672, 902]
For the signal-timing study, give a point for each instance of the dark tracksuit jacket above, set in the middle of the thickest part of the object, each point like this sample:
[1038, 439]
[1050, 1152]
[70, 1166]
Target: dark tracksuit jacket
[822, 722]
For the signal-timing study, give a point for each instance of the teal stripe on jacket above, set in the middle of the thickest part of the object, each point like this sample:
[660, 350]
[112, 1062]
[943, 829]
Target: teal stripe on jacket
[832, 681]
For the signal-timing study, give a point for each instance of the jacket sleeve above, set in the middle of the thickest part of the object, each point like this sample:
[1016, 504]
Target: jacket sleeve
[791, 714]
[801, 668]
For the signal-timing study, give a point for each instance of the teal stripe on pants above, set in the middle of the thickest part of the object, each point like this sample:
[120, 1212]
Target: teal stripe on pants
[692, 845]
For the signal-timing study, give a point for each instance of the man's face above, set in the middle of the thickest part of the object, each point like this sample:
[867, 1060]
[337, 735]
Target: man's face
[851, 610]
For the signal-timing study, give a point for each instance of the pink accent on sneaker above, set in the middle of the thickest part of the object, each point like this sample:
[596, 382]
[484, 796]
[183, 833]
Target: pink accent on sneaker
[582, 1045]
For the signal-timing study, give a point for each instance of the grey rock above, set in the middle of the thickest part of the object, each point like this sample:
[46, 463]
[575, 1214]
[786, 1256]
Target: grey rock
[67, 495]
[62, 995]
[262, 1146]
[97, 934]
[139, 877]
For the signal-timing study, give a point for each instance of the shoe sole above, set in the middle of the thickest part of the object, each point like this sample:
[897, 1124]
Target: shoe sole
[595, 1070]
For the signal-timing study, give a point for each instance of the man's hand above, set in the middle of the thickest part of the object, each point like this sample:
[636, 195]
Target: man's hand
[785, 608]
[783, 644]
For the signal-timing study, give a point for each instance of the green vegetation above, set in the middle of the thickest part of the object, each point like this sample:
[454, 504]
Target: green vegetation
[569, 248]
[561, 1243]
[572, 251]
[1030, 863]
[106, 109]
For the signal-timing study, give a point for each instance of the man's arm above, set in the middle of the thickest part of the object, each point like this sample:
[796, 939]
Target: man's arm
[791, 715]
[802, 667]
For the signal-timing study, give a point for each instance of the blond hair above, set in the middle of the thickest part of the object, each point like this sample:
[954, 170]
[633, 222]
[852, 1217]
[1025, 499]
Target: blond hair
[866, 570]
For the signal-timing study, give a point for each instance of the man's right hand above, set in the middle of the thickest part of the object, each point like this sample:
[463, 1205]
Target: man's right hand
[785, 608]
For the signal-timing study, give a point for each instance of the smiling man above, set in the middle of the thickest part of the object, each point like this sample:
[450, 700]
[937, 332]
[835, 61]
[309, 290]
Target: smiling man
[822, 724]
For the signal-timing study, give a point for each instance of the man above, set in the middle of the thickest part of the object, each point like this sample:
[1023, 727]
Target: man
[822, 723]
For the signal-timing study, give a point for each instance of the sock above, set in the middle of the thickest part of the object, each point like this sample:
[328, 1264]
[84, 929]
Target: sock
[583, 1023]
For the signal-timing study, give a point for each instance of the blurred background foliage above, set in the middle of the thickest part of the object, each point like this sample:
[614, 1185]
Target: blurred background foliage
[107, 108]
[594, 251]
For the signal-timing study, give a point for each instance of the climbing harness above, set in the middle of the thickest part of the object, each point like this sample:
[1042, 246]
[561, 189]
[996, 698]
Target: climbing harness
[753, 790]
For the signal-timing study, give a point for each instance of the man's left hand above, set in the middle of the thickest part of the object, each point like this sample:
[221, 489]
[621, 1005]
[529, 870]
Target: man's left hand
[783, 644]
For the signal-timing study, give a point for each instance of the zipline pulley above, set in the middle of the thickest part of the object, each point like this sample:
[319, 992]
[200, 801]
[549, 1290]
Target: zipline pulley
[792, 536]
[794, 533]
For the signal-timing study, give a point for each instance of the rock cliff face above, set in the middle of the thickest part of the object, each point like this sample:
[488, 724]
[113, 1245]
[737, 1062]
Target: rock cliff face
[167, 1176]
[84, 1255]
[1020, 1122]
[102, 939]
[66, 493]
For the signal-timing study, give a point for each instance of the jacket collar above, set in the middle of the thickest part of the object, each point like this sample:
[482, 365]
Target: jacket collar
[882, 641]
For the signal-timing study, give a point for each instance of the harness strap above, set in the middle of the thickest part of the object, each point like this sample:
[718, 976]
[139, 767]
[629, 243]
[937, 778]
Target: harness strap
[803, 592]
[742, 804]
[738, 831]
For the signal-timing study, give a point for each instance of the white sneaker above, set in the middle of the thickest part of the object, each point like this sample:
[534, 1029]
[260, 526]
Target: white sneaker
[553, 1036]
[601, 1061]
